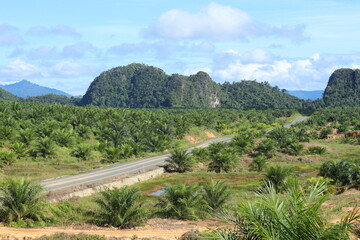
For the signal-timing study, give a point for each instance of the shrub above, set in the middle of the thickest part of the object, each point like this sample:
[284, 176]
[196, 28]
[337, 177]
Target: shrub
[179, 161]
[258, 163]
[121, 208]
[277, 176]
[21, 199]
[82, 151]
[181, 201]
[7, 158]
[317, 150]
[294, 214]
[216, 194]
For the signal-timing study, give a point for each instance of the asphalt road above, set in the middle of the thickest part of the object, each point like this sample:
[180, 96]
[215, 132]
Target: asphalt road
[296, 120]
[116, 169]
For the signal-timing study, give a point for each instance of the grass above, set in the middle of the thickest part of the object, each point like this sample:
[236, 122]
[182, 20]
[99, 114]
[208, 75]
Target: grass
[65, 164]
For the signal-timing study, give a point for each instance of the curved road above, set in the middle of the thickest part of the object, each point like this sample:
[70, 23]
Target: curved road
[117, 169]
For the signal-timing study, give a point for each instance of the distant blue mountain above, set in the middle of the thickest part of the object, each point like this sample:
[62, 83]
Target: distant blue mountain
[28, 89]
[312, 95]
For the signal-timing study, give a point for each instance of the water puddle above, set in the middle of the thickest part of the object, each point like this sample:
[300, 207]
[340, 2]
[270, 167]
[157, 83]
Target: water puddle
[158, 192]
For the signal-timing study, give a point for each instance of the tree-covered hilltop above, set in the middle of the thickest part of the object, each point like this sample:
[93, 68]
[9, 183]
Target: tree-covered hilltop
[142, 86]
[343, 88]
[6, 96]
[252, 94]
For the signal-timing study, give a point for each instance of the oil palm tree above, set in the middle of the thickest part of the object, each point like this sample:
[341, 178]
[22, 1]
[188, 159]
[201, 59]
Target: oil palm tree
[294, 214]
[121, 208]
[21, 199]
[216, 194]
[179, 161]
[181, 201]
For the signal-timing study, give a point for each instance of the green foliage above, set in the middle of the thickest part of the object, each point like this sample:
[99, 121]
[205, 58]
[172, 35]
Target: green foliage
[343, 173]
[295, 214]
[179, 161]
[266, 147]
[182, 201]
[121, 208]
[325, 132]
[252, 94]
[21, 199]
[82, 151]
[65, 236]
[222, 157]
[258, 163]
[277, 176]
[243, 143]
[7, 158]
[20, 149]
[216, 194]
[317, 150]
[294, 149]
[142, 86]
[45, 147]
[343, 88]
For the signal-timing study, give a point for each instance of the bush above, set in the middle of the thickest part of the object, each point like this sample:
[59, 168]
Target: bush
[317, 150]
[121, 208]
[7, 158]
[343, 173]
[21, 199]
[82, 151]
[277, 176]
[179, 161]
[182, 201]
[294, 214]
[216, 194]
[258, 163]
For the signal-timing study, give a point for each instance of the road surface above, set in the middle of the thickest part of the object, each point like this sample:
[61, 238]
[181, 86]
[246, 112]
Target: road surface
[99, 175]
[296, 120]
[116, 169]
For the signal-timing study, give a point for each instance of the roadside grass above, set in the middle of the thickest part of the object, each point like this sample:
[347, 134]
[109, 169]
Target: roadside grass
[63, 163]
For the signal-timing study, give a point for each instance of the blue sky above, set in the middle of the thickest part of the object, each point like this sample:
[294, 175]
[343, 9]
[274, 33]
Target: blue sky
[294, 44]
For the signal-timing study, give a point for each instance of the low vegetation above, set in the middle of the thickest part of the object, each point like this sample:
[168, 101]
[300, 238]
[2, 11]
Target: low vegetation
[274, 176]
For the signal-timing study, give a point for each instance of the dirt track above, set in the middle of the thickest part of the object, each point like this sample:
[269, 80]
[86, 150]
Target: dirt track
[155, 229]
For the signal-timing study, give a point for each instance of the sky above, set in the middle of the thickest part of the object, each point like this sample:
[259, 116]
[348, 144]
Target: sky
[293, 44]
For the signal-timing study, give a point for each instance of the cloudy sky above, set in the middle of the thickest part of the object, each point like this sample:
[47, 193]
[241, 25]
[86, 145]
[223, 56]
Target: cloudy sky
[294, 44]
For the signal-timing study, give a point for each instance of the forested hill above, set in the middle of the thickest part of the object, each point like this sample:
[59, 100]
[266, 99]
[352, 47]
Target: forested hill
[6, 96]
[142, 86]
[252, 94]
[343, 88]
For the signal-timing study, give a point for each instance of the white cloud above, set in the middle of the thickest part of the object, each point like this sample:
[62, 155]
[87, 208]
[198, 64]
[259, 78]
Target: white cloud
[310, 73]
[70, 69]
[218, 22]
[19, 70]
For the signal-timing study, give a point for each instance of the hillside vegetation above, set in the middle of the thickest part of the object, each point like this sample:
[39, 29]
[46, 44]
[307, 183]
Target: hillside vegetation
[343, 88]
[141, 86]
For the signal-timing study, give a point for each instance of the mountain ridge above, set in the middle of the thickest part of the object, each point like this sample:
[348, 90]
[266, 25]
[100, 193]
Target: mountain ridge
[26, 88]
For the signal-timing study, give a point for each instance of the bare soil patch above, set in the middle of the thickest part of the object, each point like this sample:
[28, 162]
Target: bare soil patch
[155, 229]
[210, 134]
